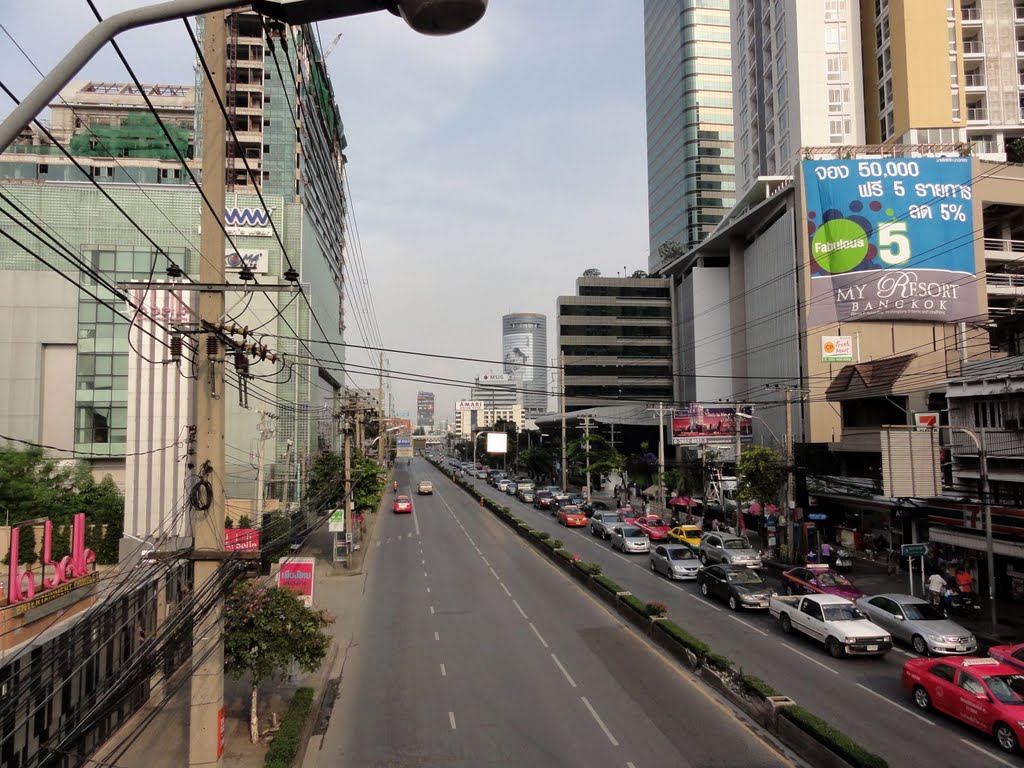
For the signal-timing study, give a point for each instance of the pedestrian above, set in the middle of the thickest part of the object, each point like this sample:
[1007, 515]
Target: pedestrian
[715, 525]
[826, 554]
[936, 588]
[964, 581]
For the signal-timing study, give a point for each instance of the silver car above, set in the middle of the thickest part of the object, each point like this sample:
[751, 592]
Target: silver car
[728, 549]
[629, 538]
[676, 561]
[601, 523]
[525, 494]
[913, 620]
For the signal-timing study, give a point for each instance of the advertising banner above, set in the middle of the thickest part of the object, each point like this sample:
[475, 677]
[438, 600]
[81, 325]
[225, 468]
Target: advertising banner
[469, 405]
[403, 447]
[890, 239]
[247, 539]
[710, 424]
[337, 522]
[837, 349]
[926, 419]
[258, 261]
[296, 574]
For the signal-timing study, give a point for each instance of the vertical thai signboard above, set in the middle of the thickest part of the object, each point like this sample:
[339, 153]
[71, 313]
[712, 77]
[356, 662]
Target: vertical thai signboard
[890, 239]
[297, 574]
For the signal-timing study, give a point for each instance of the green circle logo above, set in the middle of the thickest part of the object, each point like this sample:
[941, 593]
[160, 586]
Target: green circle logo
[839, 245]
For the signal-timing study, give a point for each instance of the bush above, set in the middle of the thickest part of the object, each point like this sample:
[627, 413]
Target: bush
[544, 535]
[756, 686]
[656, 609]
[565, 554]
[285, 745]
[608, 584]
[718, 661]
[635, 603]
[833, 738]
[688, 641]
[591, 569]
[551, 544]
[556, 543]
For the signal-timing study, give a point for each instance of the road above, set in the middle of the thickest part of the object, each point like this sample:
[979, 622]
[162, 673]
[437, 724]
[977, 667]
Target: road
[472, 650]
[862, 696]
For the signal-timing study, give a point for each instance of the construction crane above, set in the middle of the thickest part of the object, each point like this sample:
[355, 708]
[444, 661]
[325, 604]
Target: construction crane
[332, 46]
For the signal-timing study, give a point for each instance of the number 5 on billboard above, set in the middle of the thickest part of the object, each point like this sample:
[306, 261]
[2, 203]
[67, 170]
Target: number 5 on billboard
[893, 243]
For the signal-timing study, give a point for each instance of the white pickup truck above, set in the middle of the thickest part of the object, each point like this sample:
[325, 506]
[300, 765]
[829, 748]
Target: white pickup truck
[832, 620]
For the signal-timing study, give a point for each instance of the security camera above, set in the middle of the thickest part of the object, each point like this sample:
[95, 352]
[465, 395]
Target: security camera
[441, 17]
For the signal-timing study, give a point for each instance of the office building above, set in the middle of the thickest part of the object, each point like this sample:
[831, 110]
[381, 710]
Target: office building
[690, 157]
[425, 410]
[616, 338]
[524, 351]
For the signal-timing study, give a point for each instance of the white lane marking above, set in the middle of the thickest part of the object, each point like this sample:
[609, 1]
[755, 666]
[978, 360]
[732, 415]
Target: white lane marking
[704, 601]
[496, 574]
[519, 608]
[485, 561]
[424, 574]
[537, 633]
[451, 719]
[505, 588]
[428, 590]
[431, 610]
[599, 721]
[478, 551]
[899, 706]
[378, 543]
[908, 654]
[423, 562]
[987, 753]
[444, 672]
[564, 670]
[437, 636]
[472, 542]
[747, 624]
[388, 541]
[630, 765]
[810, 658]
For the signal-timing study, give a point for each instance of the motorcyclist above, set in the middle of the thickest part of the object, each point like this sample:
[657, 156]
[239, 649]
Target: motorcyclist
[394, 486]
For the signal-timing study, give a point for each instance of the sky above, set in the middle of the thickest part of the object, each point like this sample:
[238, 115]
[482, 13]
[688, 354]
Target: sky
[488, 169]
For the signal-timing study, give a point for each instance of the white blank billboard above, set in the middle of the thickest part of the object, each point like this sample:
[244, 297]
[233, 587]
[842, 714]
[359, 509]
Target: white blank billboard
[497, 442]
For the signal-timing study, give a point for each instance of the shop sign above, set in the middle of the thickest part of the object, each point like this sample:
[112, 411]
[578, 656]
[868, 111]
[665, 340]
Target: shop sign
[21, 584]
[246, 539]
[837, 349]
[296, 574]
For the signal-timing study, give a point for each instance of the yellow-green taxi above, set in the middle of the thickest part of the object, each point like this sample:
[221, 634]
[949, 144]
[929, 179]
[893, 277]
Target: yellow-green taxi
[686, 534]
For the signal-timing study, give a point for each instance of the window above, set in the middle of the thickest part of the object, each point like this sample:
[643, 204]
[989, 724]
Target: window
[838, 128]
[838, 98]
[987, 413]
[943, 672]
[970, 684]
[836, 68]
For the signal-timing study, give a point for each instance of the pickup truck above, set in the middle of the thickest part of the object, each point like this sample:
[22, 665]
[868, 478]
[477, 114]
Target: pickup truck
[832, 620]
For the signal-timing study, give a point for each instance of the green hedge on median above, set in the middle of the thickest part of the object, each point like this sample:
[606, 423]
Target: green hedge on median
[635, 603]
[565, 554]
[285, 745]
[608, 584]
[691, 643]
[757, 687]
[833, 738]
[591, 569]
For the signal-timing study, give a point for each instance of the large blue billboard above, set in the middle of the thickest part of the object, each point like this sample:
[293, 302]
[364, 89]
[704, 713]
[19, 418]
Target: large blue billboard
[890, 239]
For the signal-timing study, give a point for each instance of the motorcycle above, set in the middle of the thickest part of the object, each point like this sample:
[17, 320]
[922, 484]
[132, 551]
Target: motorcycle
[844, 560]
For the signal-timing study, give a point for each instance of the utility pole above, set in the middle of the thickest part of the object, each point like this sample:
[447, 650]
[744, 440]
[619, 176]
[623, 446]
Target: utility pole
[739, 448]
[587, 426]
[266, 431]
[206, 703]
[287, 476]
[565, 468]
[380, 412]
[661, 453]
[790, 510]
[348, 493]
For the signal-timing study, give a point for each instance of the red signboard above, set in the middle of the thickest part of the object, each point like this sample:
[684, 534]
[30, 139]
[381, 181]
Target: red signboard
[21, 584]
[220, 732]
[247, 539]
[296, 574]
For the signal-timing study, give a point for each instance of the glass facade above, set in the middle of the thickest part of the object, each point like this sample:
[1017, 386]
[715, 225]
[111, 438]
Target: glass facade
[524, 352]
[690, 154]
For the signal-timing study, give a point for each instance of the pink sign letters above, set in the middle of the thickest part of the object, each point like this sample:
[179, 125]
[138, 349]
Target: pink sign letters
[21, 584]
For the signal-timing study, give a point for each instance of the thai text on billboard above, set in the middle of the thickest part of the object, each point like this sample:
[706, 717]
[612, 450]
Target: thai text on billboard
[890, 239]
[709, 424]
[296, 574]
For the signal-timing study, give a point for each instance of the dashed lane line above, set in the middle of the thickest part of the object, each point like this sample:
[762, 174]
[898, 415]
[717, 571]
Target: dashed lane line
[495, 574]
[564, 671]
[539, 637]
[810, 658]
[431, 610]
[444, 672]
[599, 721]
[519, 608]
[502, 584]
[748, 625]
[898, 706]
[987, 753]
[451, 719]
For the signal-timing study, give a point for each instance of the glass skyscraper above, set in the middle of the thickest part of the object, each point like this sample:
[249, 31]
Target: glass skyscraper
[690, 156]
[524, 352]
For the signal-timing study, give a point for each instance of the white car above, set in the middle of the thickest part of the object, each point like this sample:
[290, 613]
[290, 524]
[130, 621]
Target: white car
[629, 538]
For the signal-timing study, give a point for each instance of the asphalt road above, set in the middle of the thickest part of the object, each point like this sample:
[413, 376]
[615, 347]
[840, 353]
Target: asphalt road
[862, 696]
[471, 650]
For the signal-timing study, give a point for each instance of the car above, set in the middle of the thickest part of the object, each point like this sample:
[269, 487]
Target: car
[502, 484]
[1009, 654]
[560, 499]
[686, 534]
[424, 487]
[525, 482]
[403, 504]
[653, 526]
[915, 621]
[577, 499]
[481, 474]
[511, 487]
[570, 515]
[543, 499]
[601, 523]
[716, 547]
[739, 586]
[629, 538]
[627, 515]
[525, 495]
[494, 478]
[675, 561]
[818, 579]
[594, 506]
[982, 692]
[832, 620]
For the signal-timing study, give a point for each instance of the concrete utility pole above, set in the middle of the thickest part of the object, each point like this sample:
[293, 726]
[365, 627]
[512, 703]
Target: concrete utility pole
[565, 467]
[206, 705]
[380, 412]
[587, 426]
[266, 431]
[661, 452]
[287, 476]
[739, 448]
[790, 510]
[348, 493]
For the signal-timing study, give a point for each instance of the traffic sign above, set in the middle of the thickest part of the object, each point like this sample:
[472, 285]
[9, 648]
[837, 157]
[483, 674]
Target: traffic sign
[913, 550]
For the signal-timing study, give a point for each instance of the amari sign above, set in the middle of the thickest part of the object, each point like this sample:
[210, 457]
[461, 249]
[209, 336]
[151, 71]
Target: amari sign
[890, 239]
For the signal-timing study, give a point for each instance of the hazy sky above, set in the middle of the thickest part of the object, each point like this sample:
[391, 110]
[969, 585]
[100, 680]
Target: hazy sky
[488, 169]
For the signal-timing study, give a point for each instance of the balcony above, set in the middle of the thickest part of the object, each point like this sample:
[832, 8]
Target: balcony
[974, 80]
[1004, 284]
[1004, 250]
[1004, 443]
[970, 15]
[1018, 14]
[974, 47]
[977, 114]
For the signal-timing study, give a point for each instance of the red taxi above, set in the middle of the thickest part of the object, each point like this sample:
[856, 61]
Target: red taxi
[818, 579]
[982, 692]
[627, 515]
[569, 515]
[653, 526]
[1009, 654]
[403, 504]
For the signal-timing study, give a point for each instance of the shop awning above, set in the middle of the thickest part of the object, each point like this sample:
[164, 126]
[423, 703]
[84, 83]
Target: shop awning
[874, 378]
[977, 543]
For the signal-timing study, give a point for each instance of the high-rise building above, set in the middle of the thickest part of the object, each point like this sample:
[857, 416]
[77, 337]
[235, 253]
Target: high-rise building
[690, 158]
[616, 336]
[797, 76]
[425, 410]
[524, 351]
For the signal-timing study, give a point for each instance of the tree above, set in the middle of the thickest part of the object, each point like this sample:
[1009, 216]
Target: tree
[1015, 150]
[604, 459]
[228, 522]
[325, 488]
[592, 272]
[761, 473]
[639, 273]
[670, 250]
[367, 481]
[244, 522]
[266, 629]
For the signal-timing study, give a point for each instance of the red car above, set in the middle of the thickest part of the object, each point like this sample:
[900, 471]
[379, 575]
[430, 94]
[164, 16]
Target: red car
[818, 579]
[627, 515]
[403, 504]
[985, 693]
[1009, 654]
[653, 526]
[570, 515]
